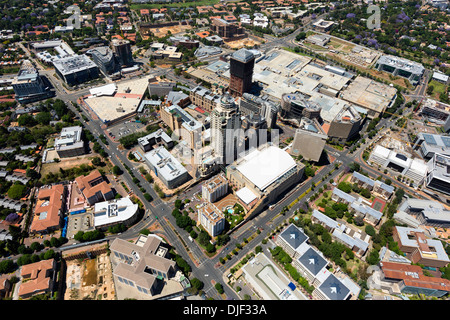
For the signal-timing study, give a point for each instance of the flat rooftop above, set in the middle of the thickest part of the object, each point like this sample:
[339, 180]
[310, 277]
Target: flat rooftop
[330, 106]
[263, 167]
[369, 94]
[284, 72]
[169, 167]
[123, 101]
[402, 64]
[114, 211]
[73, 64]
[269, 281]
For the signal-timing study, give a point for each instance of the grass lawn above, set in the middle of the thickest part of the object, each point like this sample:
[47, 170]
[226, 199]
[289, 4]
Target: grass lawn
[176, 5]
[438, 88]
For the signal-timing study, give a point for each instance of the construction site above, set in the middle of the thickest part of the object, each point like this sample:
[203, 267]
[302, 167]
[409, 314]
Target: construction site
[162, 29]
[89, 274]
[243, 43]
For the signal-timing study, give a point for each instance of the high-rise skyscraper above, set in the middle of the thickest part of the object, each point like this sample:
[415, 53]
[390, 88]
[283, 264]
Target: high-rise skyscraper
[122, 50]
[225, 124]
[241, 72]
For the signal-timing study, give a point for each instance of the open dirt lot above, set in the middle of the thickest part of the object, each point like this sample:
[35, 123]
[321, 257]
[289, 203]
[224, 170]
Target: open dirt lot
[241, 43]
[66, 164]
[90, 279]
[163, 31]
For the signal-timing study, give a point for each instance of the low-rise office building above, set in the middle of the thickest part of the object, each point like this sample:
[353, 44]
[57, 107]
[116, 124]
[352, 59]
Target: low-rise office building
[70, 142]
[428, 144]
[291, 239]
[94, 187]
[436, 112]
[29, 86]
[142, 270]
[76, 69]
[269, 282]
[155, 138]
[419, 248]
[400, 278]
[49, 209]
[426, 212]
[37, 278]
[332, 288]
[413, 169]
[405, 68]
[113, 212]
[322, 25]
[437, 177]
[168, 169]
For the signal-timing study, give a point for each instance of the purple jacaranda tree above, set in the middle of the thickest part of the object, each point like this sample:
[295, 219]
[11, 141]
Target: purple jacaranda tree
[371, 42]
[12, 217]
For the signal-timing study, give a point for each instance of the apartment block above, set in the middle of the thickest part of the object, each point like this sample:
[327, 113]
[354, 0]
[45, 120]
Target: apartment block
[211, 218]
[215, 188]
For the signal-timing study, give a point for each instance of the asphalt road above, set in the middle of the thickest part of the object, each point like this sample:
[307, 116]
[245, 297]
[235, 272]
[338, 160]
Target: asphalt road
[204, 268]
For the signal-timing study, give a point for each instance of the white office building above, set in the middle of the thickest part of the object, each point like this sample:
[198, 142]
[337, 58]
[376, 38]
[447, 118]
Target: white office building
[166, 167]
[70, 143]
[414, 169]
[109, 213]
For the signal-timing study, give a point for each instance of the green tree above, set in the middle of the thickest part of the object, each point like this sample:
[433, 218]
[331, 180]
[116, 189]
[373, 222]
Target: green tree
[7, 266]
[17, 191]
[219, 287]
[43, 118]
[344, 186]
[197, 284]
[117, 171]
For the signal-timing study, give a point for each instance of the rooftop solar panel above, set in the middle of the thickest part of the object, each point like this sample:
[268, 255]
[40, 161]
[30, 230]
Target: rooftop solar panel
[446, 141]
[429, 139]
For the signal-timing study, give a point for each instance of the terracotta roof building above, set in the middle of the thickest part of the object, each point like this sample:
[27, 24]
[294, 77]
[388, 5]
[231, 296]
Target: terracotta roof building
[411, 280]
[5, 286]
[94, 187]
[419, 248]
[49, 209]
[39, 278]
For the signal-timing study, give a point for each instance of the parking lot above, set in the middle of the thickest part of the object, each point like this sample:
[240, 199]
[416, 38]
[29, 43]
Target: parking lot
[125, 128]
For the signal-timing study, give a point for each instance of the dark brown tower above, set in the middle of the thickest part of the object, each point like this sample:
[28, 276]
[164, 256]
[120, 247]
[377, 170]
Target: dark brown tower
[241, 72]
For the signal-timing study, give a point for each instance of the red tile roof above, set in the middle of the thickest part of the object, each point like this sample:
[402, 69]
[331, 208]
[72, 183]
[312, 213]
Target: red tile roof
[37, 277]
[47, 211]
[413, 276]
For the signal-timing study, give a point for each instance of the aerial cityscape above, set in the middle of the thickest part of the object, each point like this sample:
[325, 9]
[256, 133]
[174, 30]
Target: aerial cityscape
[226, 150]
